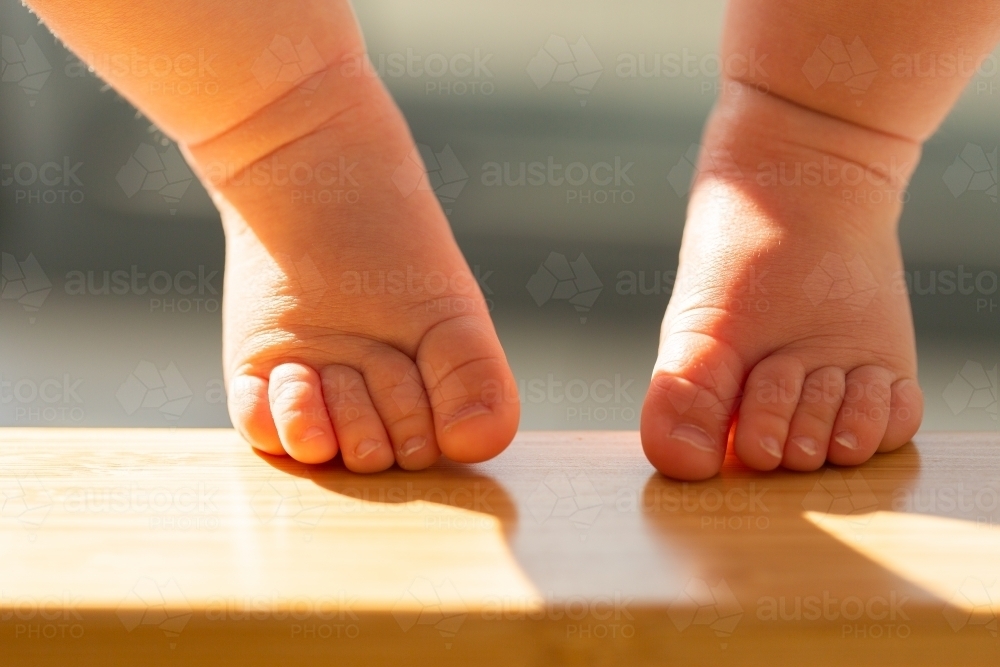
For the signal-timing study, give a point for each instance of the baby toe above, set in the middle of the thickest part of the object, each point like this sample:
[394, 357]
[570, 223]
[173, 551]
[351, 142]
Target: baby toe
[299, 413]
[812, 424]
[770, 397]
[398, 394]
[863, 417]
[363, 441]
[250, 412]
[906, 411]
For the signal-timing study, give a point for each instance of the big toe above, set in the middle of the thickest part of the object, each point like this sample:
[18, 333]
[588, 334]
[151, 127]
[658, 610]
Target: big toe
[471, 389]
[687, 414]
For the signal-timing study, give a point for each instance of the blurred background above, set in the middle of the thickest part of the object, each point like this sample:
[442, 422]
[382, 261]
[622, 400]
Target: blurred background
[482, 85]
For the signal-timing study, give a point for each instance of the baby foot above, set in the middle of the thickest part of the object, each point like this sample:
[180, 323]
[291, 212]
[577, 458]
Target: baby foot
[352, 323]
[789, 331]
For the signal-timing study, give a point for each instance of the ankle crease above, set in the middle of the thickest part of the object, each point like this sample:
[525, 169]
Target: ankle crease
[286, 120]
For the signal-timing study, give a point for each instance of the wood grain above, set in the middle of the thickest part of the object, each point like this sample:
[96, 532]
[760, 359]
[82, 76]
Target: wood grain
[184, 547]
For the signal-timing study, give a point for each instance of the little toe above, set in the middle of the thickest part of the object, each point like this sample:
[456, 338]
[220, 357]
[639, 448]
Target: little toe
[363, 441]
[812, 424]
[299, 413]
[770, 397]
[863, 417]
[250, 412]
[905, 414]
[471, 389]
[398, 394]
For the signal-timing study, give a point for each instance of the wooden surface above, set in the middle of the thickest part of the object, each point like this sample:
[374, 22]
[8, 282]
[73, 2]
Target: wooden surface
[183, 547]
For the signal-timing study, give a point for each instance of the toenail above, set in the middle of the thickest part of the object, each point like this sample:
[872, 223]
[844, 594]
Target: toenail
[696, 437]
[771, 446]
[312, 433]
[366, 447]
[808, 446]
[846, 439]
[467, 412]
[412, 445]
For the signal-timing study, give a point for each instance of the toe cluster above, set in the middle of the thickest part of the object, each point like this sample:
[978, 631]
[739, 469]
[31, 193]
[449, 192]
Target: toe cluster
[786, 415]
[456, 398]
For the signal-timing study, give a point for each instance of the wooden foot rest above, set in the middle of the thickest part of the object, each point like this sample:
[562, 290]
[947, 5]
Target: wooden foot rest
[184, 547]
